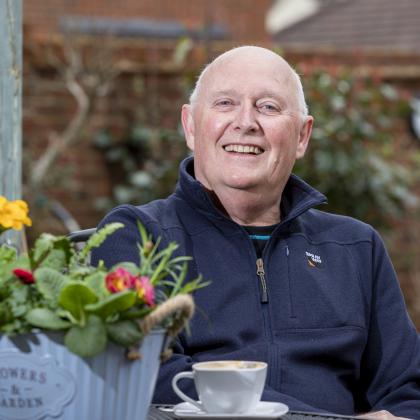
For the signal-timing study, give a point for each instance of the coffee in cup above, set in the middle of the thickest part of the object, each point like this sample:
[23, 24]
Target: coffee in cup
[225, 386]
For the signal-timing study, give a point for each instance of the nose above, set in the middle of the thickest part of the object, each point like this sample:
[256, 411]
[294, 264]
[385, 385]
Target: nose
[246, 119]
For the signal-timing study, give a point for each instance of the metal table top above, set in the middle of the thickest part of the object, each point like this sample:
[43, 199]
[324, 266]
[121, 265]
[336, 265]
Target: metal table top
[165, 413]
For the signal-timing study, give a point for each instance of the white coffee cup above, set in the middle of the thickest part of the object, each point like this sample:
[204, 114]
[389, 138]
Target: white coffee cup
[225, 386]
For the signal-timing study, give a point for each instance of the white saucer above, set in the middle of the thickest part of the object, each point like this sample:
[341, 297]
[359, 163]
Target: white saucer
[263, 410]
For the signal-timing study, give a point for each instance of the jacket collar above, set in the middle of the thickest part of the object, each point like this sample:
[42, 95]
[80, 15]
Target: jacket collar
[298, 196]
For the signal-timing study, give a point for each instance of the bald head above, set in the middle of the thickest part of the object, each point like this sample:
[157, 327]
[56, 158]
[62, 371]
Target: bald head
[257, 56]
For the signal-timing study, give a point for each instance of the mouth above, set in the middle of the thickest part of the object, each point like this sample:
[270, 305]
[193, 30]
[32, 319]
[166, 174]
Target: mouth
[245, 149]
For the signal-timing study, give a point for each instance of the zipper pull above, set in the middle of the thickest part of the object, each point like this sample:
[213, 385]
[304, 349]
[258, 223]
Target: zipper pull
[261, 275]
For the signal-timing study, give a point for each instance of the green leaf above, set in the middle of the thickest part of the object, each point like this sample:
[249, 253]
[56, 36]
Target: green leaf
[74, 297]
[166, 255]
[56, 259]
[116, 302]
[88, 340]
[5, 314]
[45, 318]
[98, 237]
[143, 233]
[135, 313]
[43, 245]
[6, 272]
[78, 272]
[125, 333]
[7, 254]
[19, 299]
[49, 283]
[96, 281]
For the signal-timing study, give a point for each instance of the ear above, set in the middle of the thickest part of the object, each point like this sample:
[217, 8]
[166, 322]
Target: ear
[304, 136]
[188, 125]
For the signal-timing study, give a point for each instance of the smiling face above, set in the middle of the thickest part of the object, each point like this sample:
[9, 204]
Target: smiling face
[246, 126]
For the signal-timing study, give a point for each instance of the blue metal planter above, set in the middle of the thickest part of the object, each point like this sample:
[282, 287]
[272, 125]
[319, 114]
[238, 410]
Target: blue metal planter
[41, 379]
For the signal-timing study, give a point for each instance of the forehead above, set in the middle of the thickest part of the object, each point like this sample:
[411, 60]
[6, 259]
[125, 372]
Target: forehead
[250, 75]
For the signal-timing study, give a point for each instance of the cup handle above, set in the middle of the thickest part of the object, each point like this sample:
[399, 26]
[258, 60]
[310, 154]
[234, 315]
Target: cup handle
[175, 379]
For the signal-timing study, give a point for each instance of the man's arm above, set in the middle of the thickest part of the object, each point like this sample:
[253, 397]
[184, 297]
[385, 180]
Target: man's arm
[391, 364]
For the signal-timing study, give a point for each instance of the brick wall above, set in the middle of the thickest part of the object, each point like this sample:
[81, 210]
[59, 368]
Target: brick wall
[148, 88]
[244, 18]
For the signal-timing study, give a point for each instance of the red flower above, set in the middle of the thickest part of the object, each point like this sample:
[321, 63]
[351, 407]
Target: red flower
[25, 276]
[120, 279]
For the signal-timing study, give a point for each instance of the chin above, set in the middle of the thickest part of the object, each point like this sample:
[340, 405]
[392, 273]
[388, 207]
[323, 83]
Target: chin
[241, 184]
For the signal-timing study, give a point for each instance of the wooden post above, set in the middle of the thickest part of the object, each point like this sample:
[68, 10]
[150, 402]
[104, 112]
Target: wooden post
[10, 103]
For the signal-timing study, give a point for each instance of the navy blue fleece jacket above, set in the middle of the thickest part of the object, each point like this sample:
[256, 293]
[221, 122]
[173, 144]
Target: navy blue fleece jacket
[334, 329]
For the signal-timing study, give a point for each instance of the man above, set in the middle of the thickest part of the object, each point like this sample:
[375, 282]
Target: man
[312, 294]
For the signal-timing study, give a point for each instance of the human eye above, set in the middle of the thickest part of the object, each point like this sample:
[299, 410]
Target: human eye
[223, 103]
[268, 108]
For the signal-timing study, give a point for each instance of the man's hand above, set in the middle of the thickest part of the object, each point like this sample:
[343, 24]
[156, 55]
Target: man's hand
[383, 415]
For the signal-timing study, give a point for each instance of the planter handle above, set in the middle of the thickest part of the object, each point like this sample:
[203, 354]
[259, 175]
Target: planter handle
[181, 305]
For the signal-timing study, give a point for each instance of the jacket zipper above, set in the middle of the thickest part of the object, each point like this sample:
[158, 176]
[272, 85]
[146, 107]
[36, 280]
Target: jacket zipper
[261, 275]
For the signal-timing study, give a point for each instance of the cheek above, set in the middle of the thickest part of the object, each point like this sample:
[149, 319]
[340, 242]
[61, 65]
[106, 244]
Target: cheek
[283, 143]
[282, 138]
[213, 127]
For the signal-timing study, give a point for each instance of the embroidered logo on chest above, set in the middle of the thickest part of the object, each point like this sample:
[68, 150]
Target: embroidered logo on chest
[314, 260]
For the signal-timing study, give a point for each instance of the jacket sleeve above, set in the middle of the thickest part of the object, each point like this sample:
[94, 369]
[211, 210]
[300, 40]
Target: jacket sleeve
[391, 363]
[180, 362]
[122, 244]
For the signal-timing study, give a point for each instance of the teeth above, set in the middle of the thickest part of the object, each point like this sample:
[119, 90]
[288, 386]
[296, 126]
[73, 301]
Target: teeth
[238, 148]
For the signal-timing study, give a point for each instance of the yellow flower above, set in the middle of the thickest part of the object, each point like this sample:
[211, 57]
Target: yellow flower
[13, 214]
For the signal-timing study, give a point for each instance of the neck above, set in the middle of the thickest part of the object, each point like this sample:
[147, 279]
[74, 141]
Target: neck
[248, 208]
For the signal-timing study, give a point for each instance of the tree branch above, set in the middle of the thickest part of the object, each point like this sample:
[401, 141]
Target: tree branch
[85, 86]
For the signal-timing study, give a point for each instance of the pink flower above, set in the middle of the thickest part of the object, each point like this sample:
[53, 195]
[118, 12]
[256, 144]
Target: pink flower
[25, 276]
[120, 279]
[145, 290]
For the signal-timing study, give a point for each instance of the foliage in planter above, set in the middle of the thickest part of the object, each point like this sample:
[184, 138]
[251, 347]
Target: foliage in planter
[352, 157]
[53, 287]
[143, 164]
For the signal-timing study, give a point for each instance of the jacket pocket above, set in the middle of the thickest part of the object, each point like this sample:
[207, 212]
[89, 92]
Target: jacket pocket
[324, 288]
